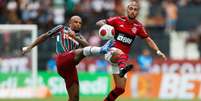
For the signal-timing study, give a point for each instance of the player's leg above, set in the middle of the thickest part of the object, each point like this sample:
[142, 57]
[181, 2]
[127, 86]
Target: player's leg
[71, 81]
[120, 84]
[121, 59]
[67, 70]
[72, 84]
[117, 59]
[73, 92]
[91, 51]
[75, 56]
[86, 51]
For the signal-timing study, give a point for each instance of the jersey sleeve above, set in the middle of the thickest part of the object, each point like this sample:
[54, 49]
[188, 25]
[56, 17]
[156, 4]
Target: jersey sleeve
[142, 32]
[112, 20]
[54, 31]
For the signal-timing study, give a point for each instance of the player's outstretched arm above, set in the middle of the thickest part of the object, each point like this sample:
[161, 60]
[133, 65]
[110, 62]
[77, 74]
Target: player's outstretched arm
[51, 33]
[153, 45]
[101, 22]
[39, 40]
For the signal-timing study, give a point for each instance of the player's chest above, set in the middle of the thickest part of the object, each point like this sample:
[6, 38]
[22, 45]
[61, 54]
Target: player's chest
[127, 28]
[64, 36]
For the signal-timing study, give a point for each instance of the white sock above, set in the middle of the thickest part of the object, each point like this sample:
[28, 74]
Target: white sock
[91, 51]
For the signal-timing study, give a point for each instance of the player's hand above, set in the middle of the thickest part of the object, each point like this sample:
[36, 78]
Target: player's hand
[161, 54]
[71, 34]
[25, 50]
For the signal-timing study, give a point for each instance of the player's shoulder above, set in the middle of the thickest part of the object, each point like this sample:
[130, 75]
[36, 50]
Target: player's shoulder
[138, 23]
[55, 29]
[117, 18]
[58, 27]
[123, 18]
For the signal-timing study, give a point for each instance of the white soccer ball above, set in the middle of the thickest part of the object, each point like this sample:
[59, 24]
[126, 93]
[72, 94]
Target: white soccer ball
[106, 32]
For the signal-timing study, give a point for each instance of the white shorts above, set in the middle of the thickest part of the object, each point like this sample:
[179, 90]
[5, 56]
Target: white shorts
[115, 69]
[114, 66]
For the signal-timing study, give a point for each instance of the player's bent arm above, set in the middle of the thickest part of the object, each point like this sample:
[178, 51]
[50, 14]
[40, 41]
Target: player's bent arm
[101, 22]
[153, 45]
[83, 42]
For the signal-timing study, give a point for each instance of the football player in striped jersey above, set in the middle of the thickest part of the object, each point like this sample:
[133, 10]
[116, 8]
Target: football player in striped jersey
[70, 51]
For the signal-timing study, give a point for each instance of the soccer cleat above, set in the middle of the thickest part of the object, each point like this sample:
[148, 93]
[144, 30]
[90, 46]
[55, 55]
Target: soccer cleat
[105, 48]
[123, 71]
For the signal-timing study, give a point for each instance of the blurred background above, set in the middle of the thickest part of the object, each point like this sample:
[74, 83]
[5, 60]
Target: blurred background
[175, 25]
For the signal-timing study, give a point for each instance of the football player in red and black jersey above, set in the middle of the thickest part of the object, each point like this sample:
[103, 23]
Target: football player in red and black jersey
[126, 29]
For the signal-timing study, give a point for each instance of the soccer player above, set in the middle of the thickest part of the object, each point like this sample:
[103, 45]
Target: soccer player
[126, 29]
[69, 53]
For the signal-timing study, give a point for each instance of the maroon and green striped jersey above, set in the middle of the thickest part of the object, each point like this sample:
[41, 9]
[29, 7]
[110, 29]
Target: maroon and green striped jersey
[64, 42]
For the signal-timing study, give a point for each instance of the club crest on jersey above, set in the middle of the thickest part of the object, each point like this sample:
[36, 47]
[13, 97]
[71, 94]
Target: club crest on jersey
[121, 25]
[134, 30]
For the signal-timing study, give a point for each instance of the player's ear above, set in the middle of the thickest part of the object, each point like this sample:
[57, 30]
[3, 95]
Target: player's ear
[69, 22]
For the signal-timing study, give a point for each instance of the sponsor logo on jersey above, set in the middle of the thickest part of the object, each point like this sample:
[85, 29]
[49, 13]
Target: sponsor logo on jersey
[124, 39]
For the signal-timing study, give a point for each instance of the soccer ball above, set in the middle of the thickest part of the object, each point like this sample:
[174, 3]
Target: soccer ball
[106, 32]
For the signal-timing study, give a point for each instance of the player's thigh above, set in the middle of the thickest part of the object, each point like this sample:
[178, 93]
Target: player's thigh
[78, 55]
[119, 82]
[65, 59]
[113, 55]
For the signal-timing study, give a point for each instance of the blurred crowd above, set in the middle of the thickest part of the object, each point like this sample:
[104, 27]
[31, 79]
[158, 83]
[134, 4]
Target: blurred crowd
[49, 13]
[160, 16]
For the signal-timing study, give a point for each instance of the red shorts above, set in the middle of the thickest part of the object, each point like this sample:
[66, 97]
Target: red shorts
[66, 68]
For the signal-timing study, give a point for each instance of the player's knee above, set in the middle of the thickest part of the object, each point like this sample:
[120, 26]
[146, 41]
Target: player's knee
[119, 91]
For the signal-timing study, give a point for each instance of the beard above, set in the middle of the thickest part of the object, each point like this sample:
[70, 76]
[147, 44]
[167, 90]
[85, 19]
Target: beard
[131, 18]
[76, 30]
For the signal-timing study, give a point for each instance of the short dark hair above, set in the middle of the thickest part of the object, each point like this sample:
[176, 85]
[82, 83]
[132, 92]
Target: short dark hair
[134, 0]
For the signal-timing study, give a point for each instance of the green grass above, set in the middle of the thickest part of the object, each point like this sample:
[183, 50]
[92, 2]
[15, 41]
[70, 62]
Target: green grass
[88, 98]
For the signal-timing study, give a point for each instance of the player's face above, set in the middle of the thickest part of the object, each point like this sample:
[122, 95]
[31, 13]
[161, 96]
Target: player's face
[76, 24]
[133, 10]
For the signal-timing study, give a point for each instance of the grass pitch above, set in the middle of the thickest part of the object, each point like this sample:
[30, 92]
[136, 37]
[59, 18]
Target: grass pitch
[89, 98]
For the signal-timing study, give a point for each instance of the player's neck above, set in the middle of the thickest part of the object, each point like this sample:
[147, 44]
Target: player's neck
[76, 31]
[131, 19]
